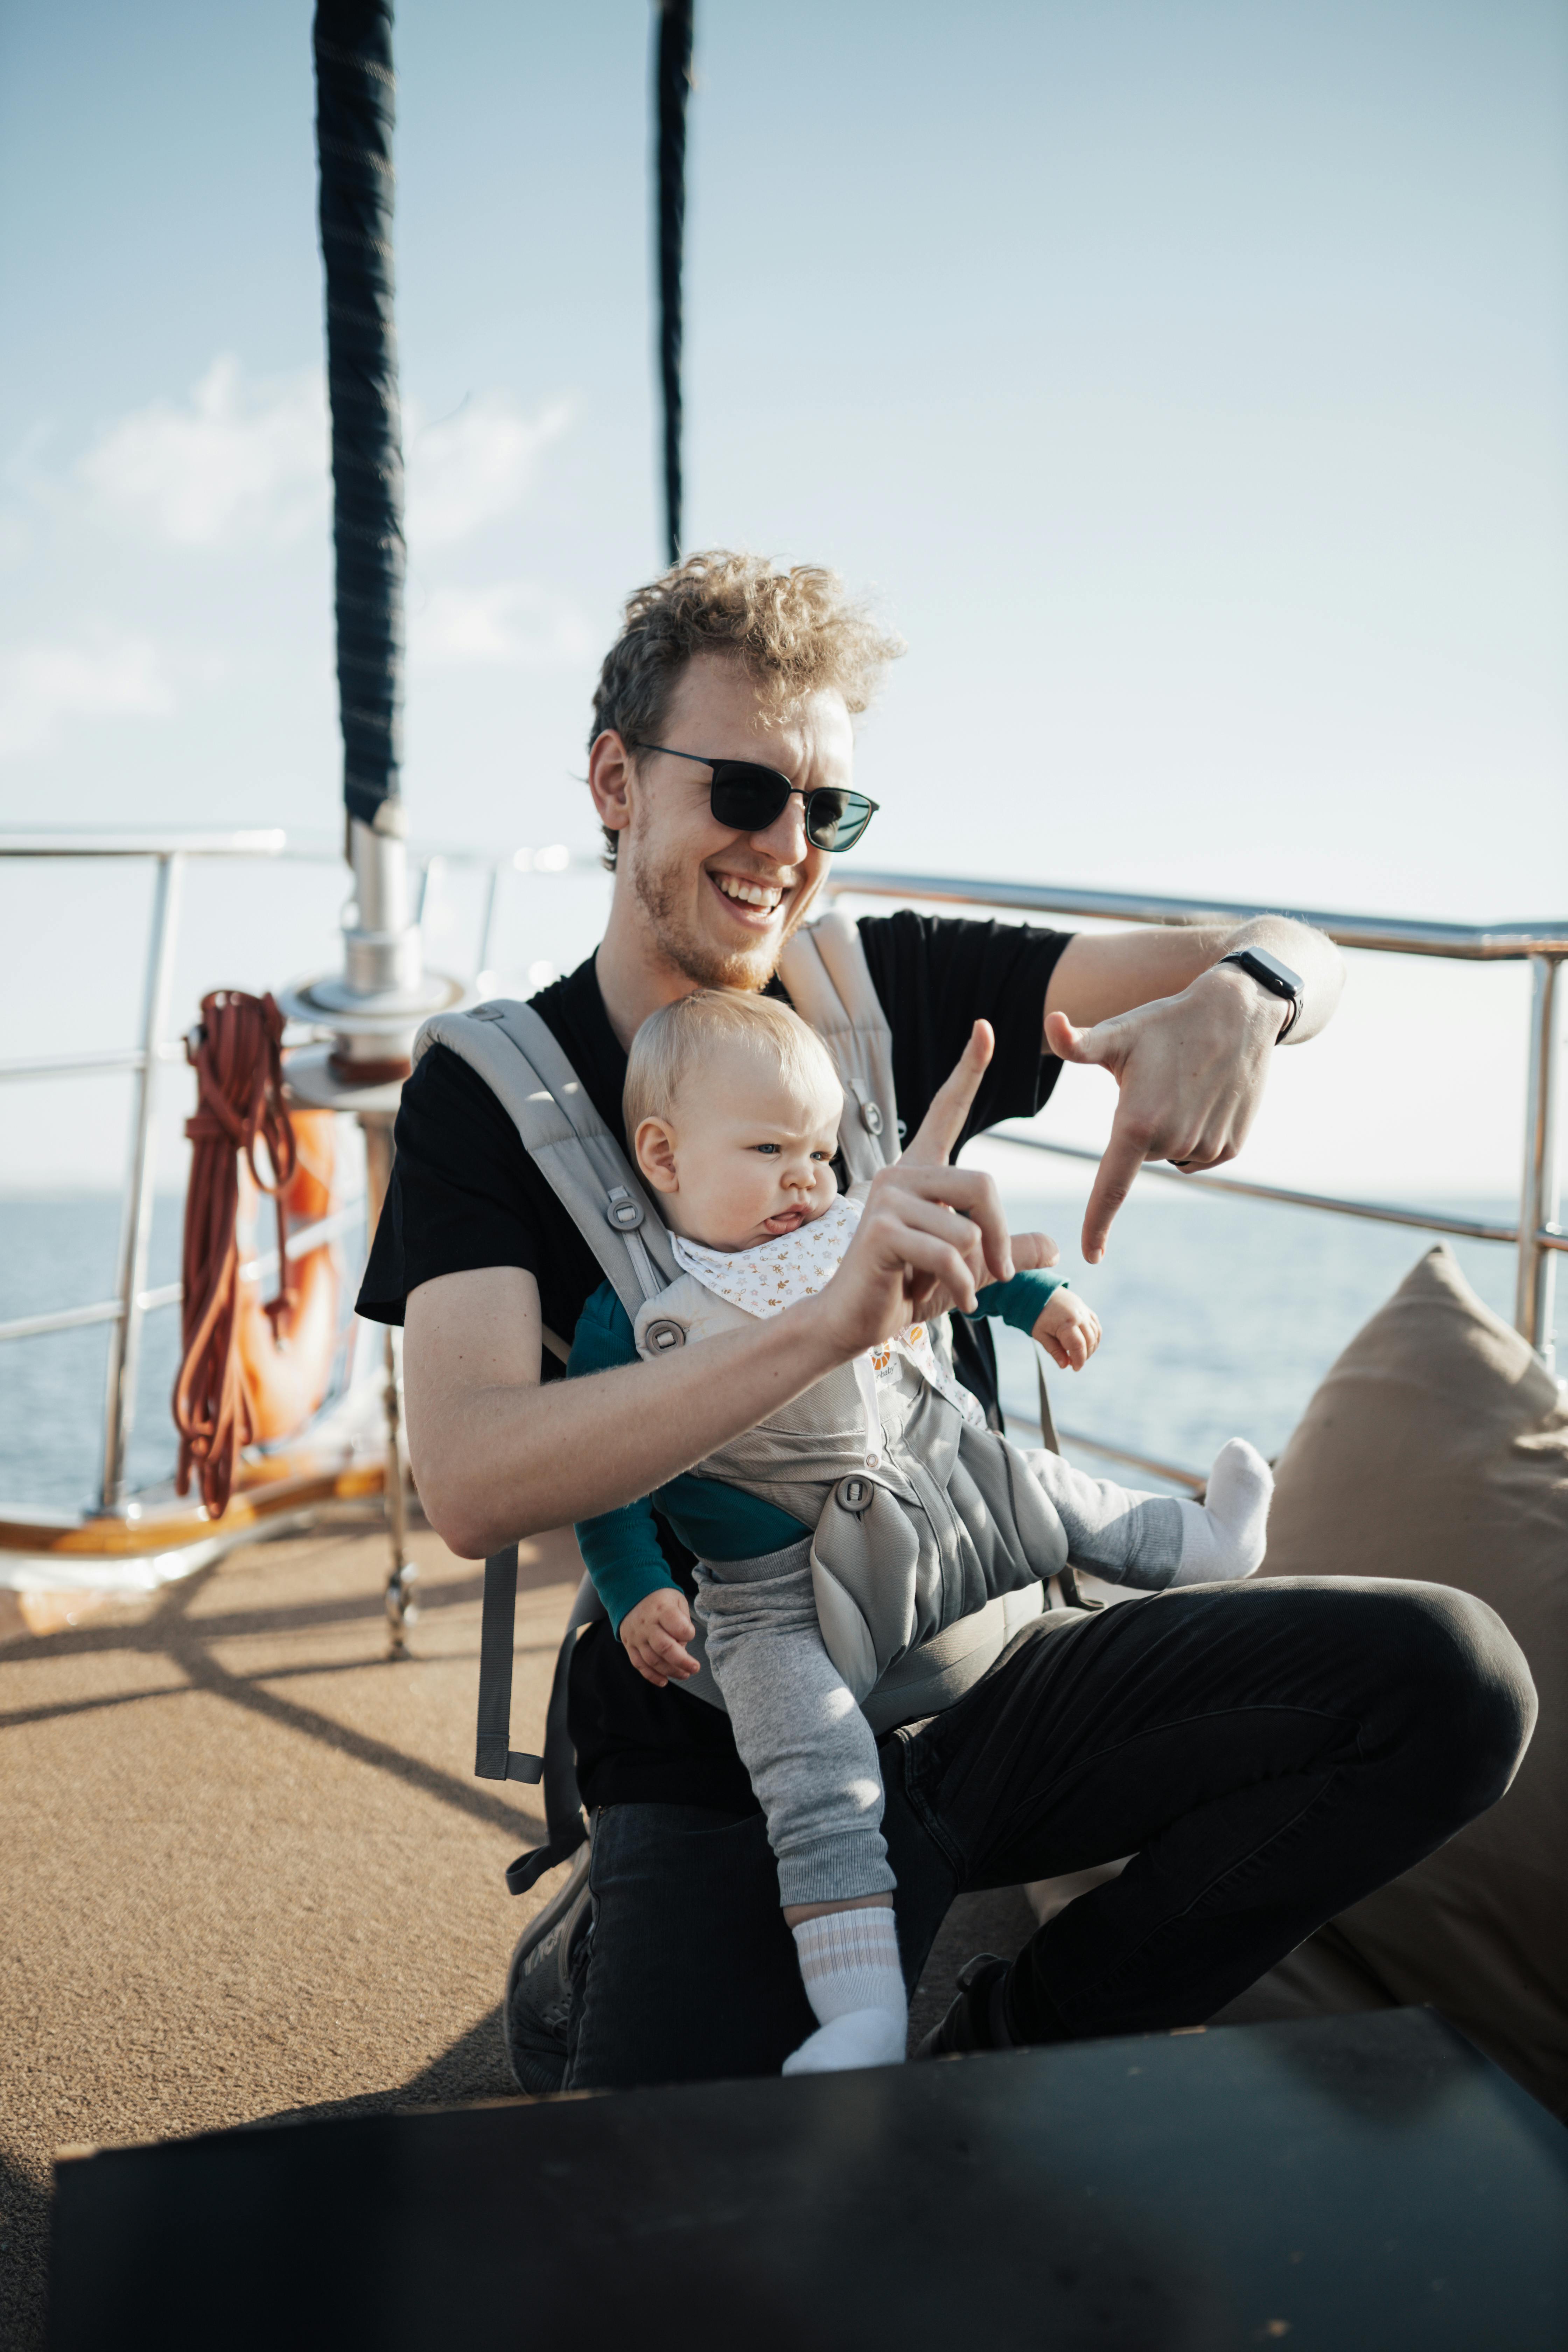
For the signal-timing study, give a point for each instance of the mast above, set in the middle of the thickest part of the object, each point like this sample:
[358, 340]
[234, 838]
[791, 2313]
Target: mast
[382, 995]
[373, 1008]
[356, 103]
[672, 88]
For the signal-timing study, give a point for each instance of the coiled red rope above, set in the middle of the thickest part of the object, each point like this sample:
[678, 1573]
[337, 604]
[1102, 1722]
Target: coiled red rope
[236, 1053]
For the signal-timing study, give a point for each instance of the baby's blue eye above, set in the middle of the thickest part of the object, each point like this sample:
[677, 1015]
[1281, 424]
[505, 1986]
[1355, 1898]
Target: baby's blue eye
[766, 1147]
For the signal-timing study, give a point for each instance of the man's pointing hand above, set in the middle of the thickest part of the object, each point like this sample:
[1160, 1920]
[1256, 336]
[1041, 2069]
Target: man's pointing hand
[1190, 1071]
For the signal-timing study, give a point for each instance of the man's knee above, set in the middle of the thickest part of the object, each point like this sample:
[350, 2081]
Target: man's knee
[1464, 1692]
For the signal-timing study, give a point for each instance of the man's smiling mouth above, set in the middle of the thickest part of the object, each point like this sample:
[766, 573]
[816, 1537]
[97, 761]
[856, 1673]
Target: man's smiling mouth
[760, 897]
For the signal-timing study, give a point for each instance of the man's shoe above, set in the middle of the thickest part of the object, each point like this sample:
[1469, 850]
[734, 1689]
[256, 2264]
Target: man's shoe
[538, 1998]
[977, 2019]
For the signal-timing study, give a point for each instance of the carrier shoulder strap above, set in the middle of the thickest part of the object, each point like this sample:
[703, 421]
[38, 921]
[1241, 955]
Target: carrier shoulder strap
[513, 1050]
[510, 1047]
[829, 982]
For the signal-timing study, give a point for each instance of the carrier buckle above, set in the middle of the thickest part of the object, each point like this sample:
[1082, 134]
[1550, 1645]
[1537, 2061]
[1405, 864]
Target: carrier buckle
[624, 1213]
[664, 1334]
[854, 1495]
[871, 1119]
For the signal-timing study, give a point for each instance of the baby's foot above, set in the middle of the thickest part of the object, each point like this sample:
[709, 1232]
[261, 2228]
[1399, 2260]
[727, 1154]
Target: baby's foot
[1224, 1538]
[861, 2037]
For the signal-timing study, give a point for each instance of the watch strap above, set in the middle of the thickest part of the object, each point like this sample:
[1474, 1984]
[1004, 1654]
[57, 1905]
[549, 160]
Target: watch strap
[1276, 977]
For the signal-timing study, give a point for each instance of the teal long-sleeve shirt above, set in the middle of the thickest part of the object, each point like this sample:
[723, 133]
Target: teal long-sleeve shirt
[621, 1549]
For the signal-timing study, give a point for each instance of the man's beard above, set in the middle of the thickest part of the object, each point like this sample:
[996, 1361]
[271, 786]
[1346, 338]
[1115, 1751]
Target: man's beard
[661, 894]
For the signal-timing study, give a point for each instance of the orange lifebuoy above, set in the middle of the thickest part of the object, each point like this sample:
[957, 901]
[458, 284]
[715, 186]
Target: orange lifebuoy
[286, 1370]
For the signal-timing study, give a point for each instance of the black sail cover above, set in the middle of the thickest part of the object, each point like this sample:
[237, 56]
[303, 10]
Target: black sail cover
[356, 94]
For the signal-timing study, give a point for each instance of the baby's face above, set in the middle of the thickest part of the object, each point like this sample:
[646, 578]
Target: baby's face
[741, 1157]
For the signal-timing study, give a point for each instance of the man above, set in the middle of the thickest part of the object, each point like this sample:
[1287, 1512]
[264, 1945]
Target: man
[1267, 1755]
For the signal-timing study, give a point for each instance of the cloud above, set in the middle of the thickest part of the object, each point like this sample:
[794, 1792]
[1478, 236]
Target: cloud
[43, 686]
[468, 468]
[242, 461]
[513, 624]
[246, 461]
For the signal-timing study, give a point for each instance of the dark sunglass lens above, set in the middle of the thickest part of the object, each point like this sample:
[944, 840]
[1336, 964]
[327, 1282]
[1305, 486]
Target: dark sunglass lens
[747, 799]
[835, 819]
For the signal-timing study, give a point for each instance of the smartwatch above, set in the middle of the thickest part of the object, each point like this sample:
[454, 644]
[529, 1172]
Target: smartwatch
[1276, 977]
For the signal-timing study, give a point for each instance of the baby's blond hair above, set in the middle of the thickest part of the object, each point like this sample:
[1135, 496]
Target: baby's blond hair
[679, 1037]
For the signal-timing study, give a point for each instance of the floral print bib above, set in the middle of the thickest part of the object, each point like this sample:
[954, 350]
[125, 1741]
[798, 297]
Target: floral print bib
[773, 1274]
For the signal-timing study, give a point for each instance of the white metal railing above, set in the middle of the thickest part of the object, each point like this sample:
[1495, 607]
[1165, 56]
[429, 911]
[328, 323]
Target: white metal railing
[133, 1299]
[1536, 1235]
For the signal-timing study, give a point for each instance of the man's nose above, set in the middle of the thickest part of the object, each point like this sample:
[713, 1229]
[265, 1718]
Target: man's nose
[785, 841]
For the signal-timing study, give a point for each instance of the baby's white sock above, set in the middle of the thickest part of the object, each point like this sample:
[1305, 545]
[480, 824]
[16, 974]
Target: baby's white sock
[849, 1964]
[1224, 1538]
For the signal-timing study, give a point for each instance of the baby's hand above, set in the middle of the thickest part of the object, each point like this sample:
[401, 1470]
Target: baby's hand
[653, 1635]
[1068, 1329]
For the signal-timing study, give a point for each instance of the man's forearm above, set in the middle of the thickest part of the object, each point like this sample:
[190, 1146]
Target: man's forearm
[502, 1460]
[1102, 975]
[498, 1457]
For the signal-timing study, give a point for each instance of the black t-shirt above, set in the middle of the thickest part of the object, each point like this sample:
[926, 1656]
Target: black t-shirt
[465, 1195]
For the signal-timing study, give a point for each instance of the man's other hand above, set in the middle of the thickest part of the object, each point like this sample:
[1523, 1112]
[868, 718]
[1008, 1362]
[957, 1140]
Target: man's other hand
[1191, 1070]
[654, 1636]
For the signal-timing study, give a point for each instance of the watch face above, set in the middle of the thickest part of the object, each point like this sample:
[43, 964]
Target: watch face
[1268, 968]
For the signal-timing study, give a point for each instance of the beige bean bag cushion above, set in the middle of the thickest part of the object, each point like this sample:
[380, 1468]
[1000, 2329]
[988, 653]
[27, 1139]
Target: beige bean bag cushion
[1436, 1448]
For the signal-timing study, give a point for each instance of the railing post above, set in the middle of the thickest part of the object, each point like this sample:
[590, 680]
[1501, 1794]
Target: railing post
[136, 1223]
[1533, 1297]
[487, 926]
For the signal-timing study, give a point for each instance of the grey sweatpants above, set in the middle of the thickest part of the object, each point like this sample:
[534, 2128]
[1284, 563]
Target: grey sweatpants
[810, 1752]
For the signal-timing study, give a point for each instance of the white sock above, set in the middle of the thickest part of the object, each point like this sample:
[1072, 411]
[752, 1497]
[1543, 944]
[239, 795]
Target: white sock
[850, 1965]
[1223, 1538]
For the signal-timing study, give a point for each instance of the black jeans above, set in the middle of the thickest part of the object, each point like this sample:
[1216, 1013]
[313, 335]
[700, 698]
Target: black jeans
[1267, 1754]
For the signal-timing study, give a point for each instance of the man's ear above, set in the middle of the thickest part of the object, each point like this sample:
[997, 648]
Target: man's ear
[653, 1146]
[610, 776]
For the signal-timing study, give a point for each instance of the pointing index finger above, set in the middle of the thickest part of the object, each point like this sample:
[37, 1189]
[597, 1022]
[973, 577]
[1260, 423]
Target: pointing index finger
[1113, 1181]
[950, 1106]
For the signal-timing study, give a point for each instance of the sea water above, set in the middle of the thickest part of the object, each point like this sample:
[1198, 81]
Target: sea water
[1220, 1316]
[62, 1253]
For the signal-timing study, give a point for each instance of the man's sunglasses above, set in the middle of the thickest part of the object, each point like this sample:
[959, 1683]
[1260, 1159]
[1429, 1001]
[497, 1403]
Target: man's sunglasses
[747, 798]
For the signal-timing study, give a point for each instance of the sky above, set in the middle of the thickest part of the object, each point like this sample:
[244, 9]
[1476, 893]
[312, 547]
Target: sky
[1185, 384]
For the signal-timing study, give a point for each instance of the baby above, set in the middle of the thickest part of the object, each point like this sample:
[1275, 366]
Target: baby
[732, 1110]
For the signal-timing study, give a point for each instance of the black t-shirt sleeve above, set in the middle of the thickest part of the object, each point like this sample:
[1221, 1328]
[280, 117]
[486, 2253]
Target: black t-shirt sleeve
[936, 978]
[463, 1195]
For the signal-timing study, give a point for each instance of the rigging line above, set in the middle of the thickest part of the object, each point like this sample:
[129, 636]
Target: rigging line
[673, 87]
[236, 1053]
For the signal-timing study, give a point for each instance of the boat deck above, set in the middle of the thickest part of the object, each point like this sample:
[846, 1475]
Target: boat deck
[247, 1871]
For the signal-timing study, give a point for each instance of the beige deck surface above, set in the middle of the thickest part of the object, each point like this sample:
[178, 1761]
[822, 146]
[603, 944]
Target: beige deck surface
[247, 1869]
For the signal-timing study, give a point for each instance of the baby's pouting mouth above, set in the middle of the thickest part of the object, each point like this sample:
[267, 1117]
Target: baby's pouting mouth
[787, 1220]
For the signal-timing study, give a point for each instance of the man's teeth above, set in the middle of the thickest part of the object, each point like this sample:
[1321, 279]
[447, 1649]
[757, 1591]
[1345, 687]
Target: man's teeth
[749, 894]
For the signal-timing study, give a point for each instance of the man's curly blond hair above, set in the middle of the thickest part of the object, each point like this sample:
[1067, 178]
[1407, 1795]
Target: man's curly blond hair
[795, 632]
